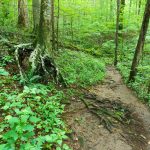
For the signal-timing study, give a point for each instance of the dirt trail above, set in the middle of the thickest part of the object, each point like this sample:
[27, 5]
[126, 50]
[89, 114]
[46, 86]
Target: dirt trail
[89, 134]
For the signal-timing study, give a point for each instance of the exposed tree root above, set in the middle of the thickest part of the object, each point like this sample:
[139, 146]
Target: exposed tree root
[20, 51]
[109, 112]
[43, 65]
[39, 64]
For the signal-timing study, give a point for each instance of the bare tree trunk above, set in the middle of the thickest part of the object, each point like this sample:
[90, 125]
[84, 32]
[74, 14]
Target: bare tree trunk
[122, 6]
[139, 7]
[117, 33]
[53, 25]
[45, 26]
[36, 4]
[58, 11]
[111, 9]
[140, 44]
[22, 13]
[130, 7]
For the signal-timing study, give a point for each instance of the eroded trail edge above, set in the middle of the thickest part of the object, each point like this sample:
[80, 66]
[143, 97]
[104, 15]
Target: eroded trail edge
[119, 122]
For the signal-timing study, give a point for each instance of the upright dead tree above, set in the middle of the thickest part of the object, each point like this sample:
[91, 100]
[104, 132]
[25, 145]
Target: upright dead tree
[140, 44]
[22, 13]
[117, 33]
[36, 4]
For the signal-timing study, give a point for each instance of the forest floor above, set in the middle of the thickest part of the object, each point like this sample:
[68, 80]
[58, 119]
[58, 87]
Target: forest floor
[89, 134]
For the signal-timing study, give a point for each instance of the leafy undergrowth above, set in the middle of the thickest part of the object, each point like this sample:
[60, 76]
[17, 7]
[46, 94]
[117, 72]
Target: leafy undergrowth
[30, 119]
[142, 80]
[80, 69]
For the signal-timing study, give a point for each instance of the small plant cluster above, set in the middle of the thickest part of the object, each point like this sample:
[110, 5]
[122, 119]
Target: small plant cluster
[80, 68]
[30, 118]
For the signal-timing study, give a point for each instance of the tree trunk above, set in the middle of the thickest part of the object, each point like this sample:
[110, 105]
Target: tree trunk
[22, 13]
[140, 44]
[117, 32]
[36, 4]
[45, 26]
[57, 34]
[139, 7]
[122, 6]
[53, 25]
[42, 58]
[111, 9]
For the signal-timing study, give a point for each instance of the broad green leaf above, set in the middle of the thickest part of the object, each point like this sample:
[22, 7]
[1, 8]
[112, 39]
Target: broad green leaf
[34, 119]
[3, 72]
[28, 128]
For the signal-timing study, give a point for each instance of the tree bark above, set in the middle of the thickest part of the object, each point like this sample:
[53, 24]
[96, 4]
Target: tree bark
[22, 13]
[139, 7]
[53, 25]
[140, 44]
[122, 6]
[44, 37]
[57, 32]
[36, 4]
[111, 9]
[42, 58]
[117, 33]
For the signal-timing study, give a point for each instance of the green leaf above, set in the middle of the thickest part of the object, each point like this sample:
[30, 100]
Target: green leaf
[3, 72]
[8, 117]
[2, 146]
[27, 111]
[13, 120]
[58, 148]
[48, 138]
[28, 128]
[66, 147]
[24, 118]
[10, 134]
[51, 138]
[59, 142]
[34, 119]
[26, 136]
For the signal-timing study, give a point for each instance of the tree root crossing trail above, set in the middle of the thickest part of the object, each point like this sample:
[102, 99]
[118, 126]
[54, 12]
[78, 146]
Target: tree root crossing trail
[109, 118]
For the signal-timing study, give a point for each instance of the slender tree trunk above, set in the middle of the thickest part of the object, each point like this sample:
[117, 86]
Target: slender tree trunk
[111, 9]
[22, 13]
[122, 6]
[139, 7]
[36, 4]
[117, 33]
[58, 11]
[140, 44]
[53, 25]
[130, 7]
